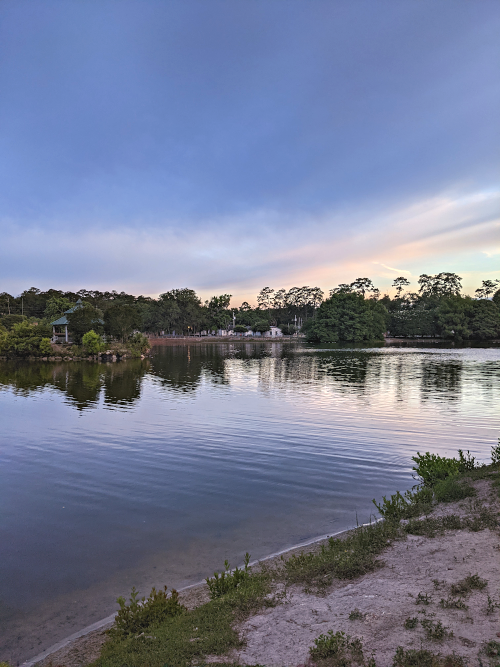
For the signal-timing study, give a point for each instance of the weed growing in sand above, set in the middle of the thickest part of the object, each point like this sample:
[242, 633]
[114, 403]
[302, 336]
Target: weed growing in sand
[452, 603]
[466, 586]
[226, 581]
[411, 623]
[424, 658]
[139, 614]
[492, 649]
[435, 629]
[341, 558]
[356, 615]
[338, 649]
[492, 606]
[423, 598]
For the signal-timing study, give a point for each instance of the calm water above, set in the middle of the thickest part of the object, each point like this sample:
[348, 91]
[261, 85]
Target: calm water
[152, 472]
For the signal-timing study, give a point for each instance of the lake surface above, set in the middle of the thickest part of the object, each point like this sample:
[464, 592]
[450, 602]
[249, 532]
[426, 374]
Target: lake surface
[155, 471]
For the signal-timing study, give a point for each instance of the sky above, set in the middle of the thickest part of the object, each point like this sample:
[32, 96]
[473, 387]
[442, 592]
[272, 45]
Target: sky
[228, 145]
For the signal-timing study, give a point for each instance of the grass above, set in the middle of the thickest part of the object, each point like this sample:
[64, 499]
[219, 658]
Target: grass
[356, 615]
[425, 658]
[423, 598]
[452, 603]
[411, 623]
[346, 558]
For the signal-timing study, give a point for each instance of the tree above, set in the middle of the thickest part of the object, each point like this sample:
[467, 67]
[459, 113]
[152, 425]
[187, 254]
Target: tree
[265, 298]
[488, 287]
[83, 319]
[24, 339]
[496, 298]
[442, 284]
[185, 308]
[452, 317]
[261, 326]
[362, 285]
[217, 310]
[55, 307]
[347, 316]
[484, 320]
[400, 283]
[121, 320]
[240, 328]
[92, 342]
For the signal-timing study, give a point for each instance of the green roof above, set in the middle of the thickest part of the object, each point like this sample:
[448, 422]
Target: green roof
[63, 319]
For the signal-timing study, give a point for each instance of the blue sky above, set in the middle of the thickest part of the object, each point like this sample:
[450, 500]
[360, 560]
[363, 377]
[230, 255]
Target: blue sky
[227, 145]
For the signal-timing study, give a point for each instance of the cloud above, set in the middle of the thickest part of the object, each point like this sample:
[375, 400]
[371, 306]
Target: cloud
[242, 254]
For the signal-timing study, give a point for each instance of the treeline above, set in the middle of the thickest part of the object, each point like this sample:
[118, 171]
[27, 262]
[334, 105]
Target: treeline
[352, 312]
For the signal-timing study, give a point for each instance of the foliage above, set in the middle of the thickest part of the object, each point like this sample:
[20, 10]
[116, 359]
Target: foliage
[431, 468]
[8, 321]
[424, 658]
[84, 318]
[435, 629]
[45, 347]
[347, 316]
[356, 615]
[343, 558]
[288, 329]
[495, 453]
[186, 638]
[338, 646]
[138, 344]
[55, 307]
[140, 614]
[450, 490]
[261, 325]
[227, 581]
[411, 623]
[240, 328]
[92, 342]
[24, 340]
[405, 506]
[121, 320]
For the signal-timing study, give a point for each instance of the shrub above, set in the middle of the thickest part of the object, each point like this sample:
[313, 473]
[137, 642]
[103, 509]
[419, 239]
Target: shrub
[240, 328]
[138, 344]
[495, 452]
[465, 586]
[92, 342]
[227, 581]
[45, 347]
[450, 490]
[423, 658]
[431, 468]
[139, 615]
[405, 506]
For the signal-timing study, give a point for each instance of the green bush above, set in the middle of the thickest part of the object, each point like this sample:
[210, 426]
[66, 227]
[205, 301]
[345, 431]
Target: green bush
[227, 581]
[138, 344]
[495, 453]
[92, 342]
[431, 468]
[240, 328]
[450, 490]
[24, 339]
[45, 347]
[405, 506]
[139, 615]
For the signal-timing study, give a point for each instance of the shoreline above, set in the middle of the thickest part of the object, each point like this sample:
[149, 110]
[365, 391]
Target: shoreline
[196, 588]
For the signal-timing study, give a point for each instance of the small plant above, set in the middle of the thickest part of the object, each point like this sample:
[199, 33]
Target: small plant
[495, 454]
[467, 585]
[424, 658]
[411, 623]
[405, 506]
[492, 605]
[423, 598]
[227, 581]
[140, 614]
[492, 649]
[356, 615]
[452, 603]
[466, 462]
[45, 351]
[338, 648]
[435, 629]
[431, 468]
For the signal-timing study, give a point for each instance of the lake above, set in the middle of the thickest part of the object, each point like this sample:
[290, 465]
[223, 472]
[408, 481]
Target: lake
[155, 471]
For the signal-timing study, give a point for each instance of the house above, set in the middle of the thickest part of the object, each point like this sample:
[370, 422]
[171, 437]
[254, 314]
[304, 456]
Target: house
[274, 332]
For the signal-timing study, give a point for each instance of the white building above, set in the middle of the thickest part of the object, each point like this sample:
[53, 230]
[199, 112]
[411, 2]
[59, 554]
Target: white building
[274, 332]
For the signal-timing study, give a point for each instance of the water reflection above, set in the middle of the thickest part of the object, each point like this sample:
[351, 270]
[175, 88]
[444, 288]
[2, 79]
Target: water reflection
[83, 383]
